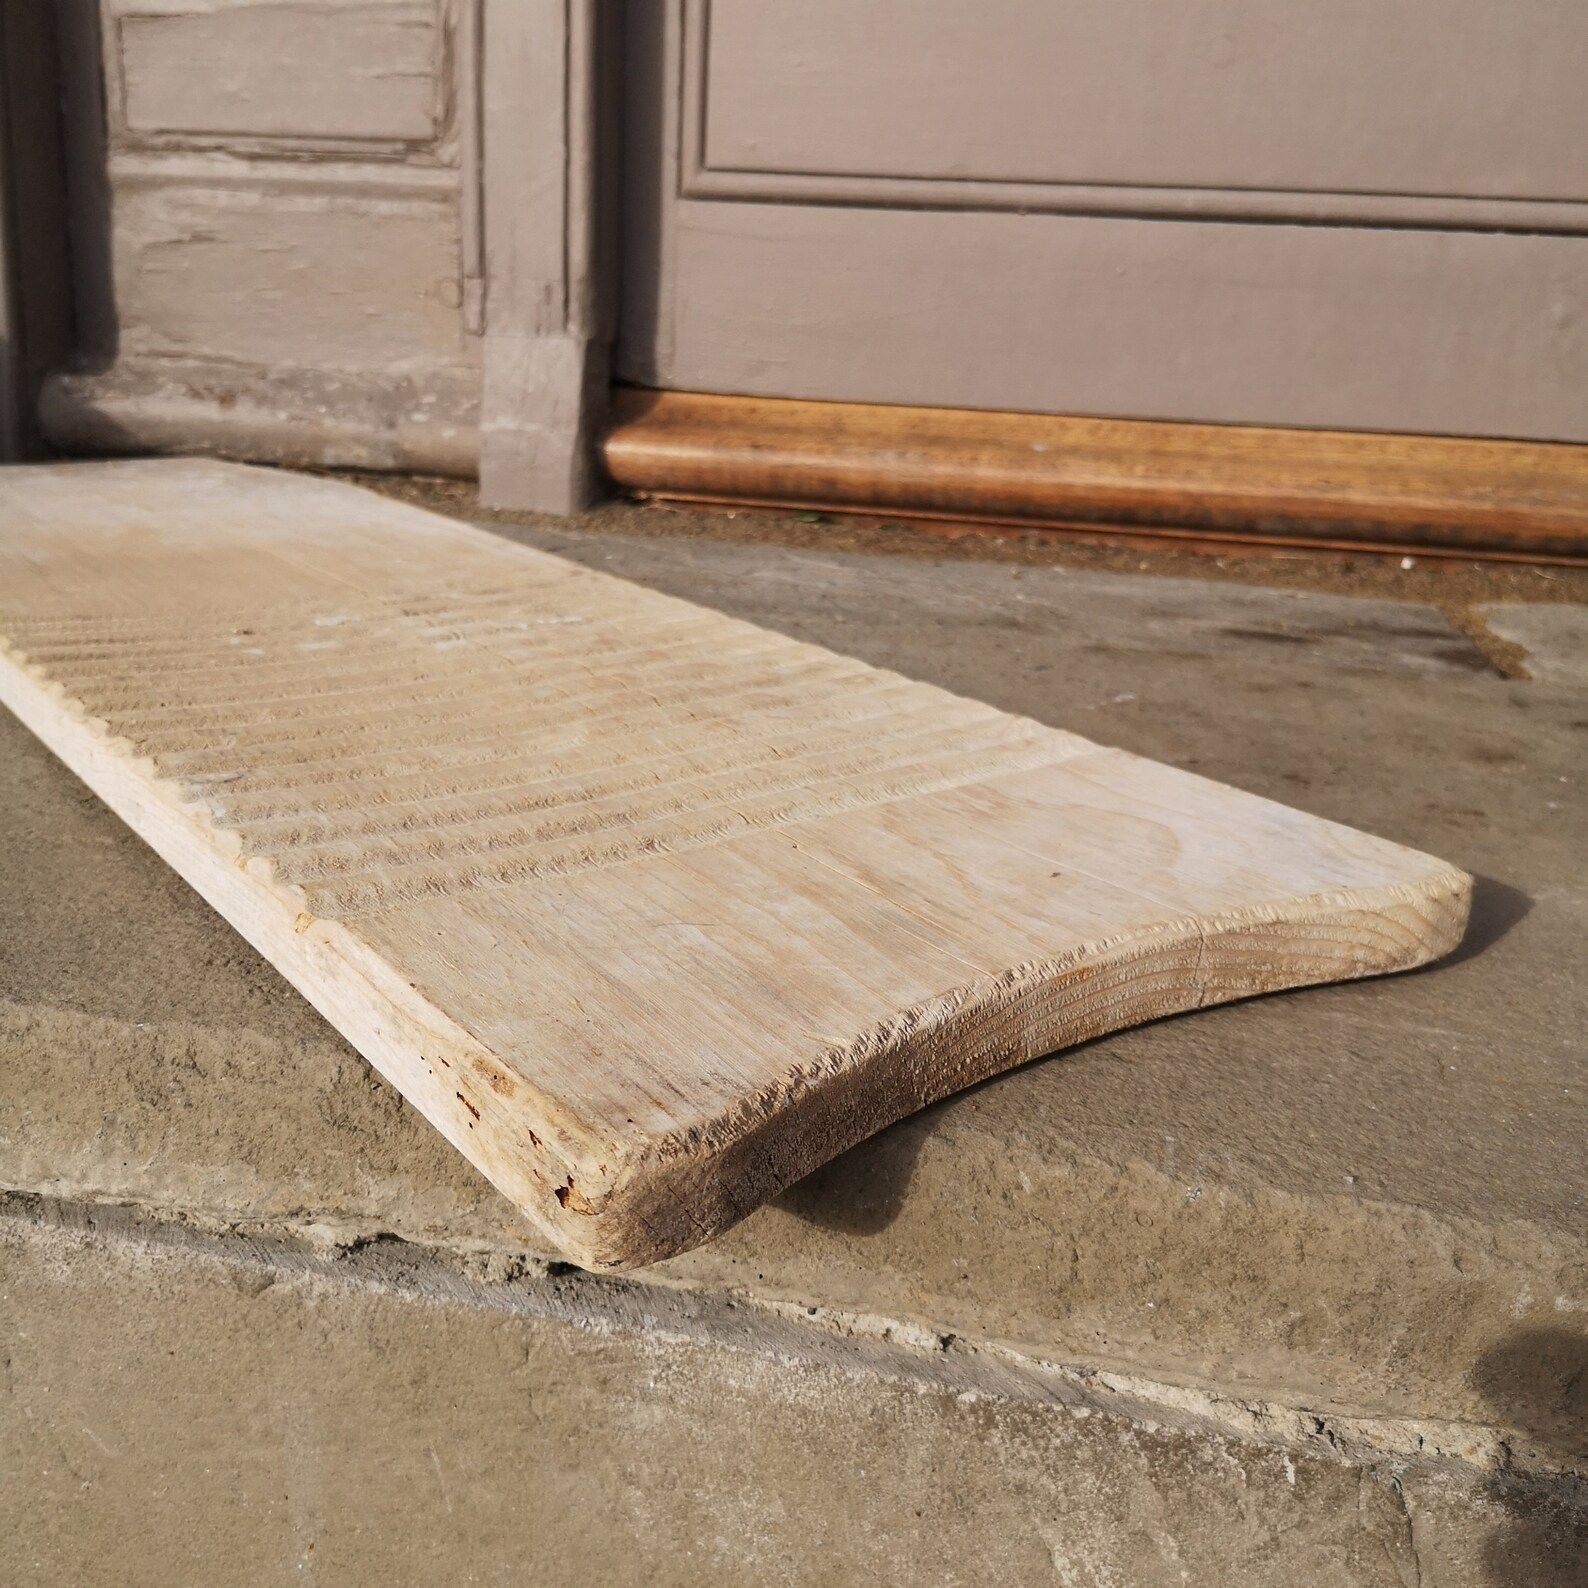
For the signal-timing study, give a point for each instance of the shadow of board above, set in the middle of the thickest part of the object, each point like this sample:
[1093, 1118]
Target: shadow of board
[1497, 907]
[863, 1190]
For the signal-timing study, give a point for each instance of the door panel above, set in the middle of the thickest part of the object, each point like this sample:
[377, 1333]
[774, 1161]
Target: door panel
[1440, 97]
[1048, 205]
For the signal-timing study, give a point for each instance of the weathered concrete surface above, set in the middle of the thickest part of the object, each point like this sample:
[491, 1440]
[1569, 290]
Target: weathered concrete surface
[1554, 634]
[309, 418]
[1344, 1219]
[228, 1412]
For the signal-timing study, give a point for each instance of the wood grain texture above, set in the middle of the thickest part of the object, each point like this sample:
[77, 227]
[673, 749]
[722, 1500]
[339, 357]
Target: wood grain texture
[648, 910]
[1235, 480]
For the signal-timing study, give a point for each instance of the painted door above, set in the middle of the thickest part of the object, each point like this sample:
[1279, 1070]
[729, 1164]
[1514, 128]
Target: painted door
[1366, 214]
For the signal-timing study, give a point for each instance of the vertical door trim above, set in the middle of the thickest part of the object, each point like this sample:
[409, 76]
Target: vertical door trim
[13, 366]
[548, 68]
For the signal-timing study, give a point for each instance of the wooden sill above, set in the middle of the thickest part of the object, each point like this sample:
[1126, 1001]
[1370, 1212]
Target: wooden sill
[1239, 483]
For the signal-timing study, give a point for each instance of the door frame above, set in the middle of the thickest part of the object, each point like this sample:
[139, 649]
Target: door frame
[35, 298]
[552, 125]
[551, 73]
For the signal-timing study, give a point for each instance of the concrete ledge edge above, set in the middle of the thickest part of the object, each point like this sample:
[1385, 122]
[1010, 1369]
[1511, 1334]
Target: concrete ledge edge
[851, 1344]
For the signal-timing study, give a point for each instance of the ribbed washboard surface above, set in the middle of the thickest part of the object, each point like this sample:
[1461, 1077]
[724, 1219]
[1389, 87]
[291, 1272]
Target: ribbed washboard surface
[649, 911]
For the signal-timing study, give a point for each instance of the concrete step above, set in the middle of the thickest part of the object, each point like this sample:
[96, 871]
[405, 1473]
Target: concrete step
[1340, 1227]
[210, 1409]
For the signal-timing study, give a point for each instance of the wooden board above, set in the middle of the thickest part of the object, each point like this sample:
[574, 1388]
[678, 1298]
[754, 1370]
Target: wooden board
[648, 910]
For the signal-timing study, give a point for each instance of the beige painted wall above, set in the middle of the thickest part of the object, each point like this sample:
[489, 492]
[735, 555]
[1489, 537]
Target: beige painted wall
[276, 232]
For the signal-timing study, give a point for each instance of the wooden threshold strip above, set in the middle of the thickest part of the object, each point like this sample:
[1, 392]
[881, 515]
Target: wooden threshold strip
[1340, 489]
